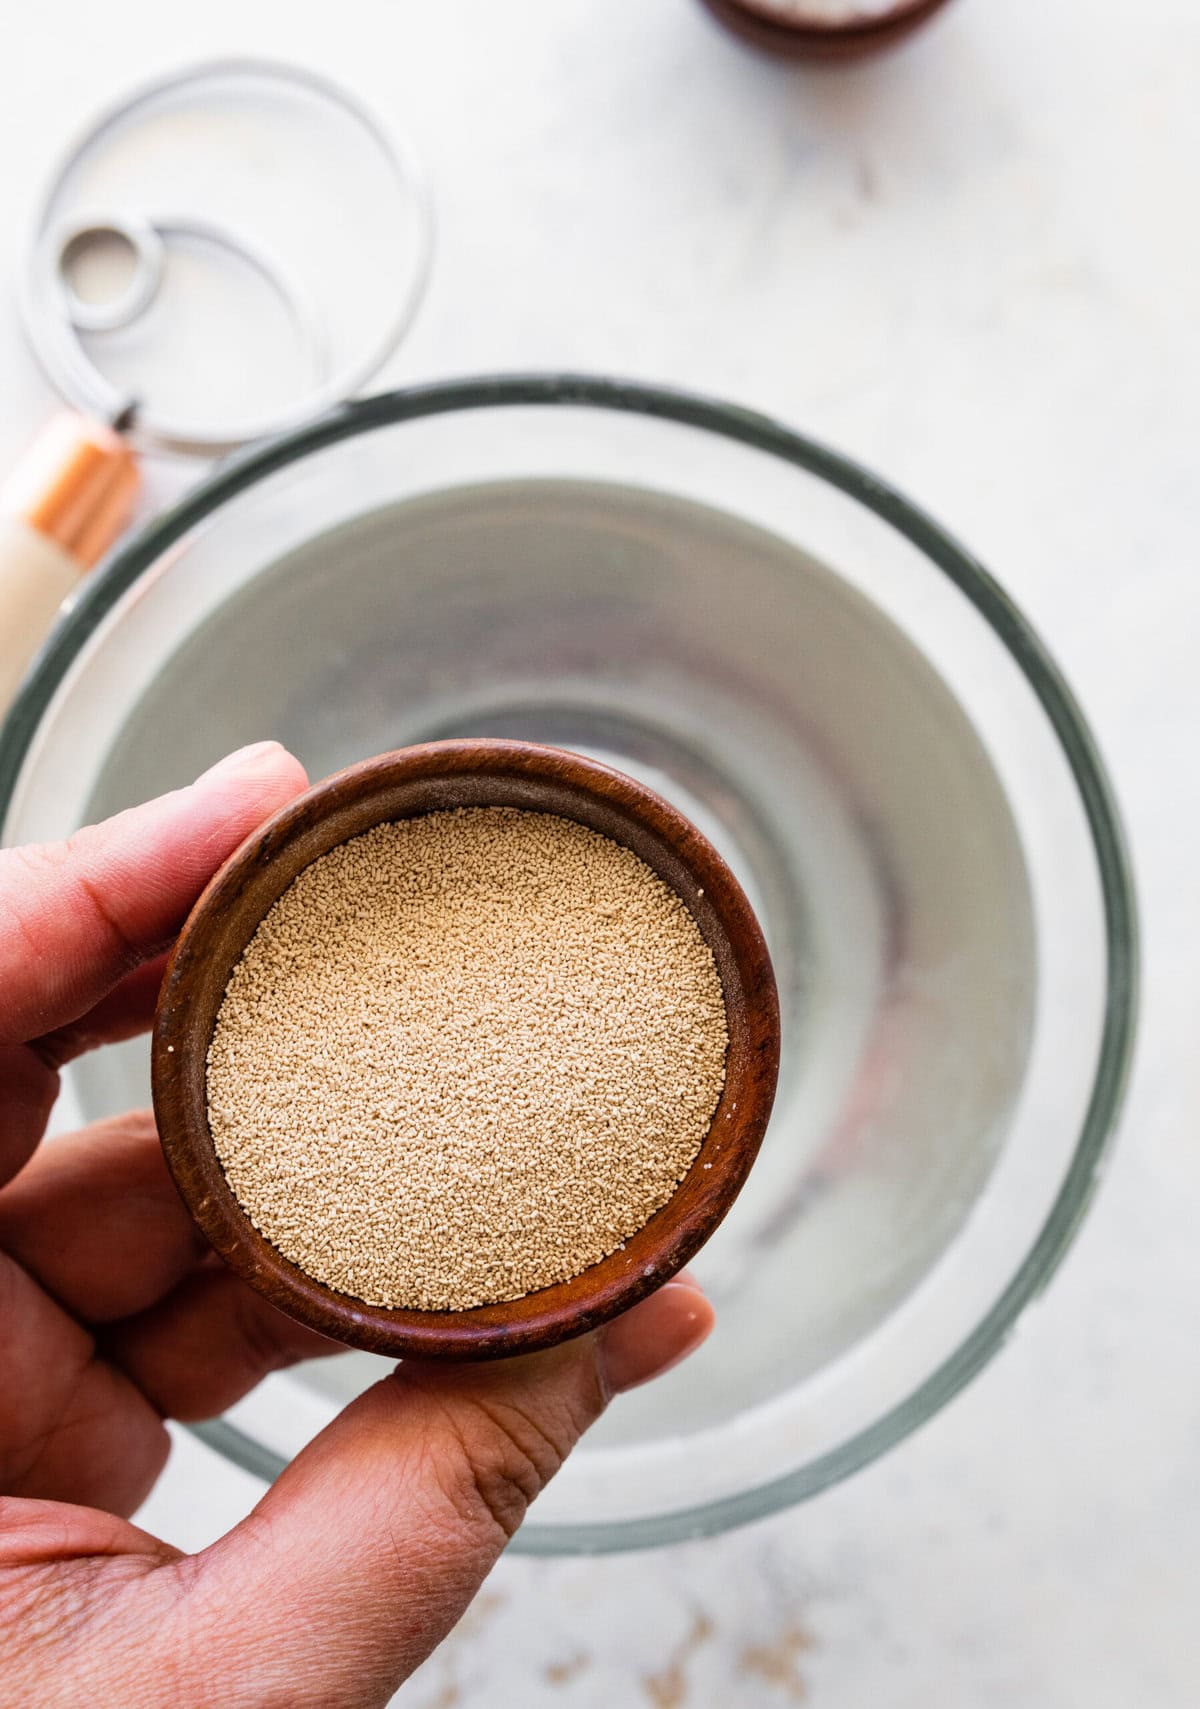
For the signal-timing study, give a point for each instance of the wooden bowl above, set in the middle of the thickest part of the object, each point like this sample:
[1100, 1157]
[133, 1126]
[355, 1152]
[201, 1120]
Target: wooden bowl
[426, 779]
[764, 27]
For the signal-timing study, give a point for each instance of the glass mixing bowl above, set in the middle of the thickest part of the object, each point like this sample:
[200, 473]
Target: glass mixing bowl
[839, 696]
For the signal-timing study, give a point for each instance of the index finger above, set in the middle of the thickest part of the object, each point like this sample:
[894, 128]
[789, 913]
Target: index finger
[77, 916]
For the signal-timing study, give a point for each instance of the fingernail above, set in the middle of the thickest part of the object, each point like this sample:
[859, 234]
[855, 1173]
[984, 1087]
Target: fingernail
[246, 762]
[655, 1335]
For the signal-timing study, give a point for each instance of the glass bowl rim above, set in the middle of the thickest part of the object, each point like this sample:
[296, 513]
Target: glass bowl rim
[105, 586]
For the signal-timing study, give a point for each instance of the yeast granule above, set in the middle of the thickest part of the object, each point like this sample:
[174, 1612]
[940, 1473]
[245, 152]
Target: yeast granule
[465, 1056]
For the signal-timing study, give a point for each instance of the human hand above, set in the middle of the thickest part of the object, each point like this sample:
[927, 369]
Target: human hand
[113, 1318]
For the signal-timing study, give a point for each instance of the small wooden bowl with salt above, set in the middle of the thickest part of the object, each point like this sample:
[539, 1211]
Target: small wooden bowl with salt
[466, 1050]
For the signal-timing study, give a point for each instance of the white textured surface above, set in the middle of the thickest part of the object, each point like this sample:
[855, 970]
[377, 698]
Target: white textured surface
[974, 266]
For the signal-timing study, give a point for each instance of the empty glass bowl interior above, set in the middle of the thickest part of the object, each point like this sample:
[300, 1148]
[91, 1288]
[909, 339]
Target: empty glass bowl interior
[847, 706]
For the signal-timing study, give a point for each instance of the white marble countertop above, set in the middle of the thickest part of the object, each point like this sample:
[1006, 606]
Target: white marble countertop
[974, 266]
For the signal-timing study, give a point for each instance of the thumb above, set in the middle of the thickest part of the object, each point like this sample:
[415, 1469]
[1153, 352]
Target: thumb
[368, 1549]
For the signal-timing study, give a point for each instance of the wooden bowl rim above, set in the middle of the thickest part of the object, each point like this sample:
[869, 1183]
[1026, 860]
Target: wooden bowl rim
[847, 39]
[231, 908]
